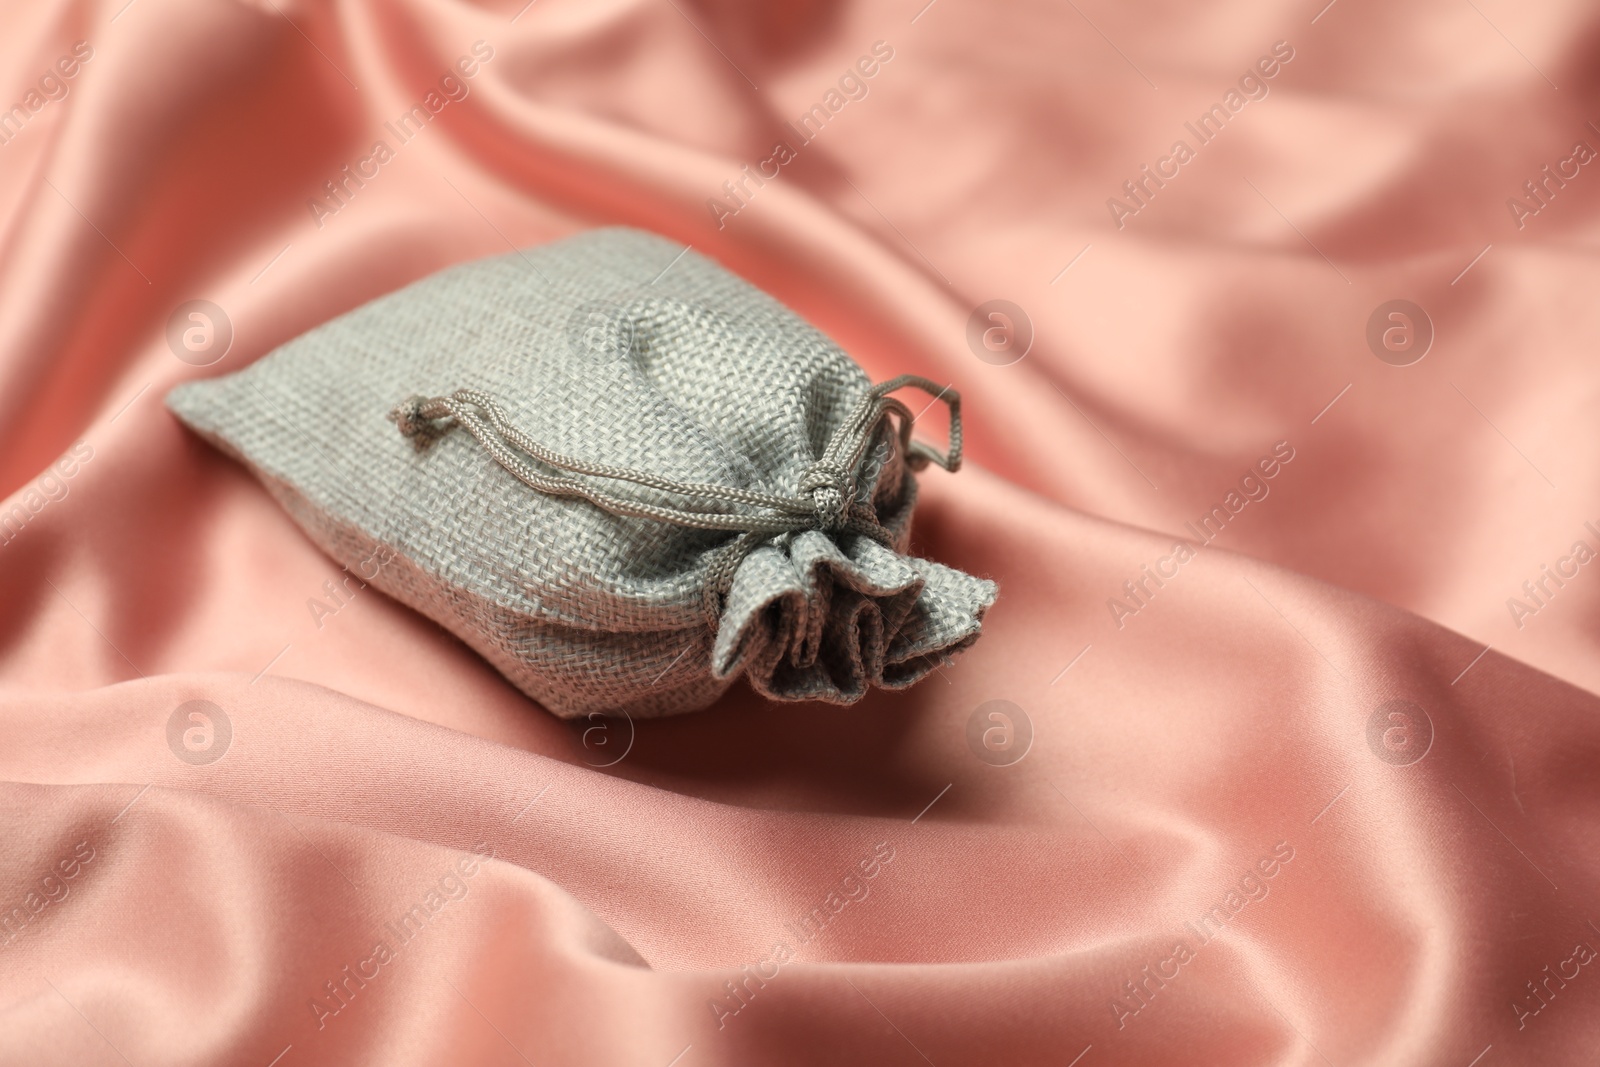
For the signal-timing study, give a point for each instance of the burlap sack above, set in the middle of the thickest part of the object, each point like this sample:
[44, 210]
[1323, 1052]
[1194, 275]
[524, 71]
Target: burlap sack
[468, 431]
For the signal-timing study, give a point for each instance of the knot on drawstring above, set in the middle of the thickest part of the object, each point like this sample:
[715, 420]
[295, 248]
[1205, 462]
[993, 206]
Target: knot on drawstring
[827, 490]
[416, 415]
[832, 489]
[407, 415]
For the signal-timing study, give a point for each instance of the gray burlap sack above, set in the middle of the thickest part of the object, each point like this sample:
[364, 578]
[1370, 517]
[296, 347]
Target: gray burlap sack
[620, 473]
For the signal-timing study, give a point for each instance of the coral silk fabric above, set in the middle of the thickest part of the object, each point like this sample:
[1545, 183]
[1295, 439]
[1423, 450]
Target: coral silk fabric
[1275, 803]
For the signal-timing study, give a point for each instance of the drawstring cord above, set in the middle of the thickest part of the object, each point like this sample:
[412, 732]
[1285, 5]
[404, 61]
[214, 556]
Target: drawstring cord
[827, 489]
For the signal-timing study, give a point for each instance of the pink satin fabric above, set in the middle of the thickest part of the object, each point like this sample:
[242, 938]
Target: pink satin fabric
[1221, 845]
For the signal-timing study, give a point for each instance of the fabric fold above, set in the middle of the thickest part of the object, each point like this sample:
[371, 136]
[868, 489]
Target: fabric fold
[823, 618]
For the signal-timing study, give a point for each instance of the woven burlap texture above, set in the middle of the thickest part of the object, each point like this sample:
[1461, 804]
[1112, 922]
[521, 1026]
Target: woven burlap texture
[619, 346]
